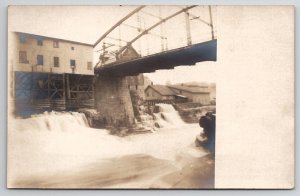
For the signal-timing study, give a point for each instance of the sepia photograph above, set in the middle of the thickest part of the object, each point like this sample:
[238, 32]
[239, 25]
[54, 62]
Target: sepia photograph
[112, 97]
[126, 97]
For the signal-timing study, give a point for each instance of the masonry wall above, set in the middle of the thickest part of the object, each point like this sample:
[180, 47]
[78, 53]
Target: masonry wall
[113, 101]
[66, 51]
[136, 85]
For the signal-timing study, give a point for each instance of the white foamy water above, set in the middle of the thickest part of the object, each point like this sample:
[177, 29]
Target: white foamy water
[54, 142]
[168, 116]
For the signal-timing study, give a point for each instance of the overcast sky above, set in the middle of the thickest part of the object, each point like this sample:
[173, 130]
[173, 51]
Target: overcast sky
[88, 23]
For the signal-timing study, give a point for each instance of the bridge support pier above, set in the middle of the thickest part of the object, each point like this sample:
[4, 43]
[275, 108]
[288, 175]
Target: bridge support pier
[113, 101]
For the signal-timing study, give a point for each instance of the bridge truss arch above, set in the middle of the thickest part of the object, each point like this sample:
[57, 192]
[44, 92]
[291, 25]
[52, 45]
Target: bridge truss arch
[149, 30]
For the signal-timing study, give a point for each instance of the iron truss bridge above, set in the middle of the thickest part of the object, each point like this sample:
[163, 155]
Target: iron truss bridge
[150, 38]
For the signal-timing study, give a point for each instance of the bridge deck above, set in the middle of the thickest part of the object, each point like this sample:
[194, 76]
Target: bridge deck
[189, 55]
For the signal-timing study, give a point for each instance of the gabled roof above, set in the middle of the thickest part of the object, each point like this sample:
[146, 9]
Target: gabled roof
[190, 89]
[161, 89]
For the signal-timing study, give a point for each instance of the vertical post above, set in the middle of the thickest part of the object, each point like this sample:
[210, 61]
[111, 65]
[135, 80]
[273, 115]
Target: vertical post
[147, 38]
[93, 91]
[139, 30]
[68, 96]
[78, 83]
[64, 88]
[48, 86]
[211, 23]
[161, 31]
[102, 57]
[188, 28]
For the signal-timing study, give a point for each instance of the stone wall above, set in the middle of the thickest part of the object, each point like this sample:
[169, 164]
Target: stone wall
[113, 101]
[136, 89]
[118, 98]
[136, 84]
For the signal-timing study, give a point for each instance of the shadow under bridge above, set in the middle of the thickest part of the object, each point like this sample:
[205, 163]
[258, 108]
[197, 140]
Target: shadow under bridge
[185, 56]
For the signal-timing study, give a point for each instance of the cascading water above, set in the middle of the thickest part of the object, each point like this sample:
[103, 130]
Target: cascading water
[164, 117]
[62, 141]
[167, 116]
[53, 121]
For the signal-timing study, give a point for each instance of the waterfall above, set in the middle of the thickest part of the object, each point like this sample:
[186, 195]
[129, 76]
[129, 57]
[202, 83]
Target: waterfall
[59, 141]
[167, 116]
[53, 121]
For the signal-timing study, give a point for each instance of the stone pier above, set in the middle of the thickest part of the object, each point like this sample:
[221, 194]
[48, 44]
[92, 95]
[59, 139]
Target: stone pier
[113, 101]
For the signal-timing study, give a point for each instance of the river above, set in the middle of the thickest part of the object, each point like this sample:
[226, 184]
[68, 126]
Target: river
[60, 150]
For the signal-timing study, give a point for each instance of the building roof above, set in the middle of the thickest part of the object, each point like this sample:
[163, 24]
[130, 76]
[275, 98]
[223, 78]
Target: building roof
[181, 96]
[161, 89]
[190, 89]
[58, 39]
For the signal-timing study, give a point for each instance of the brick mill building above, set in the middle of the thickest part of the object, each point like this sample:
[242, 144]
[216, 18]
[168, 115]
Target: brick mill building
[36, 53]
[49, 73]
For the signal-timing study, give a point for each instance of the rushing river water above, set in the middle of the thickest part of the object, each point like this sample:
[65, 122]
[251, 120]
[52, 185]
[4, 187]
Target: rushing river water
[60, 150]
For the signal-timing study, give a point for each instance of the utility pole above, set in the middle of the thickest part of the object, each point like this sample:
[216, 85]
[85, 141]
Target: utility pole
[188, 28]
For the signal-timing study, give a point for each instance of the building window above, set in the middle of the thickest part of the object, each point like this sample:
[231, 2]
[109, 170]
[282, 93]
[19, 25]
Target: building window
[39, 41]
[89, 65]
[72, 63]
[56, 61]
[72, 48]
[22, 38]
[40, 60]
[147, 94]
[55, 44]
[23, 57]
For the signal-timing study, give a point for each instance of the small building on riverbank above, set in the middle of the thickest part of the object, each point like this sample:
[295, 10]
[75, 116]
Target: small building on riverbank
[196, 94]
[178, 93]
[159, 92]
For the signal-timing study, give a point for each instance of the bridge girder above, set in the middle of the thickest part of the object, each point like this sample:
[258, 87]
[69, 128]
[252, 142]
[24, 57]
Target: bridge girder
[190, 55]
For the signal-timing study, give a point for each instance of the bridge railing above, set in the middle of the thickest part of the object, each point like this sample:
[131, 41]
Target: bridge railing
[154, 29]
